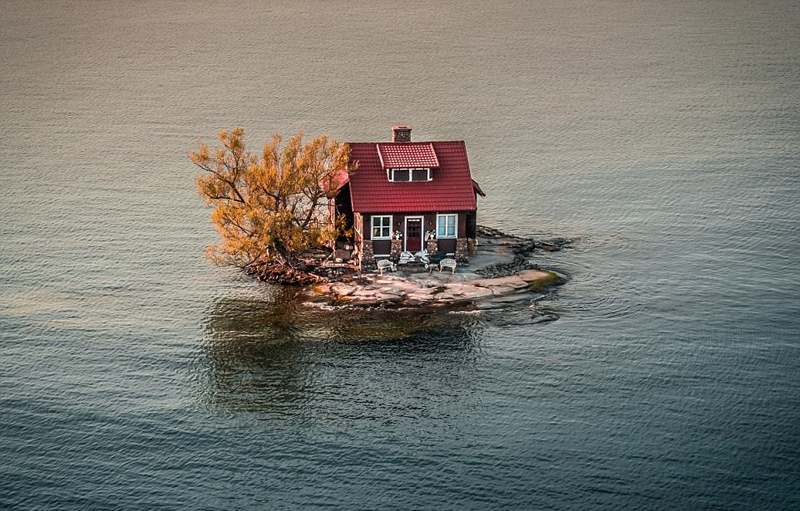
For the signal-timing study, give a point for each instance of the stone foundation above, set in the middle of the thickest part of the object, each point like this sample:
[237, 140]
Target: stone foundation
[432, 246]
[462, 250]
[367, 256]
[394, 252]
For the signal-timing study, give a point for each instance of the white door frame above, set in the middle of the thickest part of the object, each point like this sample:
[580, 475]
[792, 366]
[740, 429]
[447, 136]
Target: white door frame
[421, 234]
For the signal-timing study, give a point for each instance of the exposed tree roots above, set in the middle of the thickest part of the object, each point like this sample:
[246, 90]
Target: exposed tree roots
[284, 274]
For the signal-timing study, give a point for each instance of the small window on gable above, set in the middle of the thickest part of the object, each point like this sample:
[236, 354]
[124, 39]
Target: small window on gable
[406, 175]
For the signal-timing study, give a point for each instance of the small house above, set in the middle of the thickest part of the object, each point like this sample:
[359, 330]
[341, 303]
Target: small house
[407, 196]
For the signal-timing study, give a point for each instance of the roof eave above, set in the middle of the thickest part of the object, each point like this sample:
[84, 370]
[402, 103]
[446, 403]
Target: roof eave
[477, 188]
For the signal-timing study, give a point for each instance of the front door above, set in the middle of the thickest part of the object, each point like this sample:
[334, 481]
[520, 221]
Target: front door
[413, 233]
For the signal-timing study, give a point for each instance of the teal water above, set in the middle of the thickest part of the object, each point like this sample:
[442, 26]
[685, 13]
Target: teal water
[664, 137]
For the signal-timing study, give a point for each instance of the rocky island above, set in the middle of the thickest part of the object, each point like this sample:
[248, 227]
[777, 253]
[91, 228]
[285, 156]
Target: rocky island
[501, 266]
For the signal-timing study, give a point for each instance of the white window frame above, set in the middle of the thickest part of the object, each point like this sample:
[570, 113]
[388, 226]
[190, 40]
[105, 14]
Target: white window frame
[445, 236]
[410, 170]
[373, 226]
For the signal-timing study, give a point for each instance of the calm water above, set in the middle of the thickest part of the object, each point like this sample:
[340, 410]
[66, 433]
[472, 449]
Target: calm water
[663, 136]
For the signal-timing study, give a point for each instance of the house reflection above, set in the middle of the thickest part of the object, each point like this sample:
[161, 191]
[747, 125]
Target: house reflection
[278, 357]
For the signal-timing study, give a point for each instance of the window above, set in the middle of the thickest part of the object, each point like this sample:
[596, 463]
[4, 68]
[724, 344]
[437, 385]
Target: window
[446, 226]
[420, 174]
[400, 175]
[406, 175]
[381, 227]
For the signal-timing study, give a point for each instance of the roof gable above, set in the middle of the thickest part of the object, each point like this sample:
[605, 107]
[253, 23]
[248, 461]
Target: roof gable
[451, 187]
[407, 155]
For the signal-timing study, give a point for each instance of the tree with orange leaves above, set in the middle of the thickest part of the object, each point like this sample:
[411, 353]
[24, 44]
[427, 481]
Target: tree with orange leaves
[269, 210]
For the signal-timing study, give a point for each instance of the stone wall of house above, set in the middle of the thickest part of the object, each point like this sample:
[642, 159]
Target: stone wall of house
[394, 252]
[367, 261]
[473, 246]
[462, 250]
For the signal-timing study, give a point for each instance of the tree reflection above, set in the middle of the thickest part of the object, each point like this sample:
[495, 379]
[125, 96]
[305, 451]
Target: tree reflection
[273, 355]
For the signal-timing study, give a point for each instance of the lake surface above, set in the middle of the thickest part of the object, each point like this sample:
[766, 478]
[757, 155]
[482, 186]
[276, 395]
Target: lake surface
[662, 136]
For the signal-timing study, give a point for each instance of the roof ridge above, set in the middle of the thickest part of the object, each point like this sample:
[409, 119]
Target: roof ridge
[389, 142]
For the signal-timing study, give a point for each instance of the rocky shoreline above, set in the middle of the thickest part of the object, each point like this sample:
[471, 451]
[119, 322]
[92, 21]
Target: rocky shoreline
[502, 267]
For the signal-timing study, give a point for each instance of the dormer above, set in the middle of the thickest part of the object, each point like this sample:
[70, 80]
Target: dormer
[405, 161]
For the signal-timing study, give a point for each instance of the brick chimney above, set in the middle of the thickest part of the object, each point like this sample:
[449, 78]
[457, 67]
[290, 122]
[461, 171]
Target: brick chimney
[401, 133]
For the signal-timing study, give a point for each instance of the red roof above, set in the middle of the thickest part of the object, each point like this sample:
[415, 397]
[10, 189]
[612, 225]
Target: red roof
[407, 155]
[450, 189]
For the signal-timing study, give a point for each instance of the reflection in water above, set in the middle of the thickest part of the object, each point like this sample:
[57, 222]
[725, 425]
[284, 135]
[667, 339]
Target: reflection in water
[275, 356]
